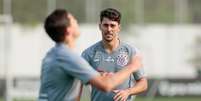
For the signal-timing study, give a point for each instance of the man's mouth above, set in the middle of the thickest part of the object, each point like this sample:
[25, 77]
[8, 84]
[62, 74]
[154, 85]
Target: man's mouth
[108, 34]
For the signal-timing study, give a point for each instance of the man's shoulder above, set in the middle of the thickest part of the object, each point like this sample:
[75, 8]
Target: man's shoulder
[93, 48]
[60, 52]
[127, 46]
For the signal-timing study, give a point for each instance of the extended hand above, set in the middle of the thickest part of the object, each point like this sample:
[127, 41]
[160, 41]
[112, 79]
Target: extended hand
[121, 95]
[106, 73]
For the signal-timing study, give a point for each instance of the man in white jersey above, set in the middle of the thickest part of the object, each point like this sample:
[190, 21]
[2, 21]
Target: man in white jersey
[61, 67]
[111, 55]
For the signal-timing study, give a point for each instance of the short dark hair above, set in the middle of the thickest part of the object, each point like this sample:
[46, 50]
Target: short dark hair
[56, 23]
[111, 14]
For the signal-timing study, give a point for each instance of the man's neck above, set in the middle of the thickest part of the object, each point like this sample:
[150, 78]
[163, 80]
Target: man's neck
[70, 44]
[111, 46]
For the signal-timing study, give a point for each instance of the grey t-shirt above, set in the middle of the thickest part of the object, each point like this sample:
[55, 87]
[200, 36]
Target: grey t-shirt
[61, 69]
[100, 60]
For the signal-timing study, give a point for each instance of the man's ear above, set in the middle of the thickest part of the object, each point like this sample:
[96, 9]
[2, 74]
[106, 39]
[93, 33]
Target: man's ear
[99, 25]
[119, 27]
[67, 30]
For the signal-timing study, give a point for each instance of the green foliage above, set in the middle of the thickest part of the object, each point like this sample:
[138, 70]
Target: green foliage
[29, 11]
[194, 11]
[159, 11]
[1, 9]
[76, 7]
[155, 11]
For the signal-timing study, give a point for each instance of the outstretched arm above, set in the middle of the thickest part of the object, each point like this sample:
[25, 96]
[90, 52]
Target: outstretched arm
[108, 82]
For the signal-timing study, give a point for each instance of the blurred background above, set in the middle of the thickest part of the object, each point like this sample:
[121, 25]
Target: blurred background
[167, 32]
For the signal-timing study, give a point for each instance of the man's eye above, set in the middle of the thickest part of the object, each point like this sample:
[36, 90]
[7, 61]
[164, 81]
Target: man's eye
[112, 25]
[106, 25]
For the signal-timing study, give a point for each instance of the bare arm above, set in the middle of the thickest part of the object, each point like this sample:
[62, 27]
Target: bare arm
[108, 82]
[141, 86]
[122, 95]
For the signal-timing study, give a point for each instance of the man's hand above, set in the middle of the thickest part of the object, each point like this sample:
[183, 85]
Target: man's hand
[104, 73]
[121, 95]
[112, 81]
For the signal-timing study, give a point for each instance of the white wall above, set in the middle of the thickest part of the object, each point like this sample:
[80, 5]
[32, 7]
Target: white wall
[166, 49]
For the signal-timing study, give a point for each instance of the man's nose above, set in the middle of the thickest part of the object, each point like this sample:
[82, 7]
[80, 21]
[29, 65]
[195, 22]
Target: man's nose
[109, 28]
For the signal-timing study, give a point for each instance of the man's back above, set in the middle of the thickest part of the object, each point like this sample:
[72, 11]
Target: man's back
[60, 67]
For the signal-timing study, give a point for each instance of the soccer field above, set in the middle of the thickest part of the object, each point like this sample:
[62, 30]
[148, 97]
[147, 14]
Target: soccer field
[170, 99]
[144, 99]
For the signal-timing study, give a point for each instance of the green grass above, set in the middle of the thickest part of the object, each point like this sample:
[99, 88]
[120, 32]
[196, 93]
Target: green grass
[20, 99]
[170, 99]
[144, 99]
